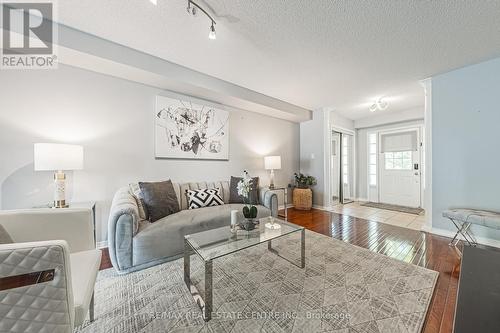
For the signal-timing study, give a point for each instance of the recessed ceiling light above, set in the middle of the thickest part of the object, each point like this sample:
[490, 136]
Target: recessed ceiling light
[154, 2]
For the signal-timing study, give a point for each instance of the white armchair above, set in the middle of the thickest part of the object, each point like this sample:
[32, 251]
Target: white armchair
[48, 271]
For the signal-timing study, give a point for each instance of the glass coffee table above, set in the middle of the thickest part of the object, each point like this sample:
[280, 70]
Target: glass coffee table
[219, 242]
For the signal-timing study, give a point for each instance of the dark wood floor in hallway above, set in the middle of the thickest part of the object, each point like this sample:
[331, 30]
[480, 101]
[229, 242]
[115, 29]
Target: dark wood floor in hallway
[411, 246]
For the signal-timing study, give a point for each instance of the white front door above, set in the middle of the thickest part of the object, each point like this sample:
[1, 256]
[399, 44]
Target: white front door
[400, 176]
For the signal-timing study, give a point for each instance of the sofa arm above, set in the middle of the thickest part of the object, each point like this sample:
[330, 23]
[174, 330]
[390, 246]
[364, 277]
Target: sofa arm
[122, 226]
[269, 199]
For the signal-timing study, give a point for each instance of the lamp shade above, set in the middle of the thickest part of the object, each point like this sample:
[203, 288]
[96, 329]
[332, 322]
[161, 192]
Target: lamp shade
[272, 162]
[58, 157]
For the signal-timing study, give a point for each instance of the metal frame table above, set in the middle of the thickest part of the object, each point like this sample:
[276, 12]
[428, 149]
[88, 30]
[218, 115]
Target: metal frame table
[219, 242]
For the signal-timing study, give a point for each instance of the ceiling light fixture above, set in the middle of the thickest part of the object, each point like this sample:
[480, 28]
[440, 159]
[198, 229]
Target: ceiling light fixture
[380, 104]
[192, 9]
[154, 2]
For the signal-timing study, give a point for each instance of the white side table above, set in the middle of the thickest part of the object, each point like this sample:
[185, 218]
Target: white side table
[79, 205]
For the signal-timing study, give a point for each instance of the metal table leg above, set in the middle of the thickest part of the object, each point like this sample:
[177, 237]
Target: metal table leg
[205, 302]
[207, 315]
[302, 250]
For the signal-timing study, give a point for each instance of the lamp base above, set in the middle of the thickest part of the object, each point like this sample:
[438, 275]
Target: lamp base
[60, 190]
[271, 180]
[60, 204]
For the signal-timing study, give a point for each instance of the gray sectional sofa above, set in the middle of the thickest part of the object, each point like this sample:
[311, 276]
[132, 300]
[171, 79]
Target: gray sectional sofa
[134, 244]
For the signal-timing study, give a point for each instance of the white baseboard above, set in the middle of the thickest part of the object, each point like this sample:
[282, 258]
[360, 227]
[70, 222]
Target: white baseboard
[450, 234]
[362, 199]
[280, 207]
[320, 207]
[102, 245]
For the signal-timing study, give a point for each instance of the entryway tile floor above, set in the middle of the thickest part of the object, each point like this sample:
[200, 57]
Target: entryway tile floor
[405, 220]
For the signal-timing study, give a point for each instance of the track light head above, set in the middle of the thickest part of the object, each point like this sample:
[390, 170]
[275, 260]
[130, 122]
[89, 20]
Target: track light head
[212, 35]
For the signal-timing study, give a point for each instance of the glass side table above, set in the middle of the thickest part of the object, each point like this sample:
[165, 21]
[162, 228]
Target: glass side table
[285, 200]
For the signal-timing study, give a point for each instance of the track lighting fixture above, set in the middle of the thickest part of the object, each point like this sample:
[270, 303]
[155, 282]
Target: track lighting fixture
[192, 9]
[212, 34]
[380, 104]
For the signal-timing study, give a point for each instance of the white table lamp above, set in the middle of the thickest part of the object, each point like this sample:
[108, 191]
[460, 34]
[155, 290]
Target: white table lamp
[272, 163]
[58, 158]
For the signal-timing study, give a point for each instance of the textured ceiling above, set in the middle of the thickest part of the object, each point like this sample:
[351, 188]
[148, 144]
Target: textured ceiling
[312, 53]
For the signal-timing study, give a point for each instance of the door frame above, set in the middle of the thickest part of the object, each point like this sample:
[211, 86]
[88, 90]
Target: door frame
[420, 143]
[328, 180]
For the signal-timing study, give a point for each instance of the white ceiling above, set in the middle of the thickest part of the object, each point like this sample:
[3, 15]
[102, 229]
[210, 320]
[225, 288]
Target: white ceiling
[312, 53]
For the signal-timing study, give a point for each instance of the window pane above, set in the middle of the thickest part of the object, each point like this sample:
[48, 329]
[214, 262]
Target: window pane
[373, 170]
[407, 154]
[407, 165]
[398, 164]
[373, 149]
[398, 154]
[373, 159]
[373, 180]
[373, 138]
[389, 164]
[389, 155]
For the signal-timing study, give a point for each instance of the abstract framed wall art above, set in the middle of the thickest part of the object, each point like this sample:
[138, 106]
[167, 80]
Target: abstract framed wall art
[188, 130]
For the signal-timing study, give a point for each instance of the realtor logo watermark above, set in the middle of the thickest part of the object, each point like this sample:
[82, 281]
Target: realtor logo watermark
[28, 35]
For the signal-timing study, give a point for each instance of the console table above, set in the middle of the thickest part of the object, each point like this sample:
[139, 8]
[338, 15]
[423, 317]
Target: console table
[478, 302]
[85, 205]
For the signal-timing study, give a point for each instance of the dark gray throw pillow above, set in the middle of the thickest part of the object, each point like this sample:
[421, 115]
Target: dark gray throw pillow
[160, 199]
[4, 236]
[233, 191]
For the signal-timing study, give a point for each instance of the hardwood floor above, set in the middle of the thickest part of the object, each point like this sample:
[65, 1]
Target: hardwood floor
[411, 246]
[416, 247]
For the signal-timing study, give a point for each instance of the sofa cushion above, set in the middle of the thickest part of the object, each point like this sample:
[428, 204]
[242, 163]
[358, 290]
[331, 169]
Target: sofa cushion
[84, 269]
[234, 197]
[135, 190]
[160, 199]
[165, 238]
[206, 197]
[4, 236]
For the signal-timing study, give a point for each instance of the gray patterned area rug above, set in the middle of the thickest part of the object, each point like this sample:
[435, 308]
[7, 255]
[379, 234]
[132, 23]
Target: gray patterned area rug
[344, 288]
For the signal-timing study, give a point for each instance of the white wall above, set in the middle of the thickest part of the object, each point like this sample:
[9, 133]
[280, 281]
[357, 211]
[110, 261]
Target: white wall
[362, 153]
[465, 137]
[312, 152]
[338, 121]
[114, 120]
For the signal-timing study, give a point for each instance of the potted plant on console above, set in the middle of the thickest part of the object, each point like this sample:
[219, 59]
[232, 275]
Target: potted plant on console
[245, 187]
[302, 194]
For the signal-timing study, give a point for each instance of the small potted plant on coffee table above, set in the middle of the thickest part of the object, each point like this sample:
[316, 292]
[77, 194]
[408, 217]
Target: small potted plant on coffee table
[302, 194]
[244, 187]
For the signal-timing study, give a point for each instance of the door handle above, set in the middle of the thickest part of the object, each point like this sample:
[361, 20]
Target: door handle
[416, 174]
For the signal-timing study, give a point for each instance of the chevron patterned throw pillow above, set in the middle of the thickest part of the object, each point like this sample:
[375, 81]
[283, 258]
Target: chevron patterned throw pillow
[204, 198]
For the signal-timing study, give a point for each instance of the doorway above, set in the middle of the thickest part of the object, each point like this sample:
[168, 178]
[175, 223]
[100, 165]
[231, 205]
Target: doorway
[342, 168]
[400, 167]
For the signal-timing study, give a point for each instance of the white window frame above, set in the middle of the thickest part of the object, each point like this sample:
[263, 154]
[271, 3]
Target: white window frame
[369, 155]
